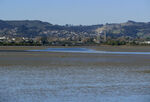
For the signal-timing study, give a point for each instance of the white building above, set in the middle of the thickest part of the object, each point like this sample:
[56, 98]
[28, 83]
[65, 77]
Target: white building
[2, 38]
[146, 42]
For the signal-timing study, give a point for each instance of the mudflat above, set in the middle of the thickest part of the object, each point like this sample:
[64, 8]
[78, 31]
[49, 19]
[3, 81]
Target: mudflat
[105, 48]
[74, 77]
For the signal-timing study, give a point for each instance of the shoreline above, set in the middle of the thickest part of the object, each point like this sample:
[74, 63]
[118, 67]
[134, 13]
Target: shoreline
[99, 48]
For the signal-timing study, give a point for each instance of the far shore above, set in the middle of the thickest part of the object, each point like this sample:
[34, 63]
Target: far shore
[100, 48]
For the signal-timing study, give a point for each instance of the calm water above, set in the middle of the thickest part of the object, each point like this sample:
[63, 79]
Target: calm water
[86, 50]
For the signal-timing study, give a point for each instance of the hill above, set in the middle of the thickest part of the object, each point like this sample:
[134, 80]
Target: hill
[128, 31]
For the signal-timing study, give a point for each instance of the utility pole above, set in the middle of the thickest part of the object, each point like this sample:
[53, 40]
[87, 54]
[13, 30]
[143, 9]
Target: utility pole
[105, 36]
[98, 37]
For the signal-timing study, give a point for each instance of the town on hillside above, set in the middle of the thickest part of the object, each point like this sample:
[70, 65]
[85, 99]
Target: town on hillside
[39, 33]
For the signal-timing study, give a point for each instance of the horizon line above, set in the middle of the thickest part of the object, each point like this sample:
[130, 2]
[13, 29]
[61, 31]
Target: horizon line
[75, 24]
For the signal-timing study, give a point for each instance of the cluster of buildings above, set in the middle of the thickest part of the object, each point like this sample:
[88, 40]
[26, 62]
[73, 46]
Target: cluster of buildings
[55, 36]
[49, 36]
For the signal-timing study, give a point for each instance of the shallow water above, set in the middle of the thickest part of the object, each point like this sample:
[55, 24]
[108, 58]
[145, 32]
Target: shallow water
[74, 84]
[71, 77]
[86, 50]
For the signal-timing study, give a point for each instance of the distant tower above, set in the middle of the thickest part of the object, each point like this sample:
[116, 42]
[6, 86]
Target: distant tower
[98, 38]
[105, 36]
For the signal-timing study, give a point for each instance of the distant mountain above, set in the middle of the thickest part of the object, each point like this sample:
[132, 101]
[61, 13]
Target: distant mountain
[29, 24]
[28, 28]
[4, 25]
[34, 28]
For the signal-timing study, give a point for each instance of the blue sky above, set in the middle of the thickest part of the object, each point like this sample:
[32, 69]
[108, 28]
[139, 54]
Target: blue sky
[76, 12]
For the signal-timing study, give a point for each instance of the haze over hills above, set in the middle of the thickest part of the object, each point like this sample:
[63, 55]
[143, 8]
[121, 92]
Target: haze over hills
[127, 31]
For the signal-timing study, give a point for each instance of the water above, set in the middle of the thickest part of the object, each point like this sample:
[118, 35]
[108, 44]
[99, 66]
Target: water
[77, 50]
[73, 84]
[86, 50]
[71, 77]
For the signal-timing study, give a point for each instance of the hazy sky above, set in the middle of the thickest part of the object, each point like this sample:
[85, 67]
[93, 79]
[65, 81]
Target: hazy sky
[76, 11]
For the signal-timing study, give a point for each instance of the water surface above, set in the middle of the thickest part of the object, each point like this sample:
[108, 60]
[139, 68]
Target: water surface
[74, 77]
[86, 50]
[73, 84]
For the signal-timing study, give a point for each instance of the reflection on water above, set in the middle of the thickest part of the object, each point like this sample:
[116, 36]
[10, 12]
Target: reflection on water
[86, 50]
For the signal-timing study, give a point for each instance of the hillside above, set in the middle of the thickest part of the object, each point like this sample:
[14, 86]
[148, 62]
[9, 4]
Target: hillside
[34, 28]
[130, 29]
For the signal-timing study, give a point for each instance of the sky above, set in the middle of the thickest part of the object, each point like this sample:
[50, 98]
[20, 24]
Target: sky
[76, 12]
